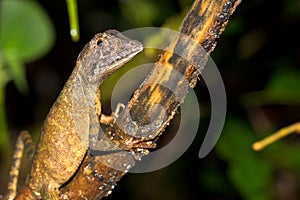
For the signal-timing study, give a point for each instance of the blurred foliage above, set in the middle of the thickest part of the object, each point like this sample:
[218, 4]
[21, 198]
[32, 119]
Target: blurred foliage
[26, 33]
[251, 176]
[258, 57]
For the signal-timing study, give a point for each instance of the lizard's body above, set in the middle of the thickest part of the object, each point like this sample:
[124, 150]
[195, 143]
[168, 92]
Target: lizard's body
[75, 115]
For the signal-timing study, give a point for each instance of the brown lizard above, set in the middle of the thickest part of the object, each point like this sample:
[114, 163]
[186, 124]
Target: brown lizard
[203, 24]
[75, 116]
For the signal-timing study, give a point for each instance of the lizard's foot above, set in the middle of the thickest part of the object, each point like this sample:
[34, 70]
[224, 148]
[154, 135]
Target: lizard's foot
[109, 119]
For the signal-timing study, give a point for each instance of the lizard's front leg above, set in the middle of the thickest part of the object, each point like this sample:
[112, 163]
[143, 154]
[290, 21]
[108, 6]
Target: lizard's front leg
[110, 119]
[98, 140]
[114, 139]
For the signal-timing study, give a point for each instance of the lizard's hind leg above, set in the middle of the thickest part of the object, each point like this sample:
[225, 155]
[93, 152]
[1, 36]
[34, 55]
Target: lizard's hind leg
[25, 145]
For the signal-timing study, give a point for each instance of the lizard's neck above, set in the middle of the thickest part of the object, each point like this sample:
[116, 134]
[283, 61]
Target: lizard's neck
[87, 80]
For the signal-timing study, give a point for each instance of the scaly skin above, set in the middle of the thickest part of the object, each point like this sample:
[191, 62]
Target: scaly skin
[74, 117]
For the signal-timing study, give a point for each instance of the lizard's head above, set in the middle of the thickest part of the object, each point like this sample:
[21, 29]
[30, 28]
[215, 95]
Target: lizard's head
[105, 53]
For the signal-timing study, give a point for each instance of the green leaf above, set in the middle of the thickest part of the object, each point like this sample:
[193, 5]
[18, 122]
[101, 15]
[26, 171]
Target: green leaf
[25, 29]
[250, 174]
[283, 87]
[26, 33]
[17, 72]
[284, 79]
[4, 77]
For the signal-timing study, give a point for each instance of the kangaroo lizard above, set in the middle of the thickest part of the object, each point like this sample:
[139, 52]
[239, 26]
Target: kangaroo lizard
[73, 118]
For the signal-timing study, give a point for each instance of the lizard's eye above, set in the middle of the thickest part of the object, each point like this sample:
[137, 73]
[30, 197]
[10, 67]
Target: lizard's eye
[100, 43]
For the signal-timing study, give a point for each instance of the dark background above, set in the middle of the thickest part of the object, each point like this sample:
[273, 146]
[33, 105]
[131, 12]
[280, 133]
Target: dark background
[258, 56]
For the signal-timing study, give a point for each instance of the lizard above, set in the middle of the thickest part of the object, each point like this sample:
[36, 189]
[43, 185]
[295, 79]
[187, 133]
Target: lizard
[203, 25]
[74, 117]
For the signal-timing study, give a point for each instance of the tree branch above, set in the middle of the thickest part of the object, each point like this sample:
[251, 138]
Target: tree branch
[203, 24]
